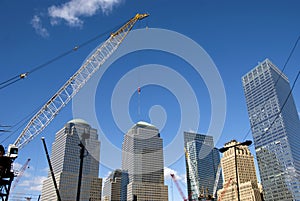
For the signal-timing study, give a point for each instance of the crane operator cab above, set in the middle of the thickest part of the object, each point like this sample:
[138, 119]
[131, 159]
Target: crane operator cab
[12, 151]
[5, 164]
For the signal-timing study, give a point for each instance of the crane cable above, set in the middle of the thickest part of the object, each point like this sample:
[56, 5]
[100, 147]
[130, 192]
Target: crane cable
[278, 114]
[277, 80]
[22, 76]
[289, 94]
[24, 120]
[28, 117]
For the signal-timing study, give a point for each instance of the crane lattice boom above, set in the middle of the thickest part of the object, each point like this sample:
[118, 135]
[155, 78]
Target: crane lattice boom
[48, 112]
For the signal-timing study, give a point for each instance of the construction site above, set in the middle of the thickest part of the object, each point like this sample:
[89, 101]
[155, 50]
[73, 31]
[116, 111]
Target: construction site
[153, 146]
[10, 178]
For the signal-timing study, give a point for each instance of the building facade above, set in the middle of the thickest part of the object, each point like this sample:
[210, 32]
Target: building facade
[275, 128]
[142, 160]
[65, 160]
[112, 186]
[202, 165]
[241, 160]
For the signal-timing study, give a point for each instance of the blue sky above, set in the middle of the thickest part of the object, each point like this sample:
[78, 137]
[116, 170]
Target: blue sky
[236, 35]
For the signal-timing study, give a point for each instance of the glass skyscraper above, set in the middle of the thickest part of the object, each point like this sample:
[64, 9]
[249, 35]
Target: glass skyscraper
[66, 161]
[275, 128]
[202, 161]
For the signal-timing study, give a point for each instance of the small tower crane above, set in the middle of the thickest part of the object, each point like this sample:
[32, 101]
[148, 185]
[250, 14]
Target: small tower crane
[178, 187]
[20, 174]
[225, 188]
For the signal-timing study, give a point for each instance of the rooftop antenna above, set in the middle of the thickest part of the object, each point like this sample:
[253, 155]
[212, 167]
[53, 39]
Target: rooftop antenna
[139, 102]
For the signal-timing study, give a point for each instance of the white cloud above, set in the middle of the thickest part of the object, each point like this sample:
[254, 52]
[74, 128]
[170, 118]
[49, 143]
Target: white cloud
[38, 27]
[74, 9]
[169, 171]
[17, 166]
[27, 181]
[34, 184]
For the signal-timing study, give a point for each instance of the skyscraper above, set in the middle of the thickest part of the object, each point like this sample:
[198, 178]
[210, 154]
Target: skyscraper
[241, 158]
[142, 159]
[275, 128]
[112, 186]
[65, 162]
[202, 161]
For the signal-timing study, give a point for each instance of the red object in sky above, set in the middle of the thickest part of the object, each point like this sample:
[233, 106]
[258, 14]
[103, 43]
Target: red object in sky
[178, 187]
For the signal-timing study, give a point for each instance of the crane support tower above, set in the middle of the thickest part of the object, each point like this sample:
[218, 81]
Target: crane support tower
[6, 177]
[61, 98]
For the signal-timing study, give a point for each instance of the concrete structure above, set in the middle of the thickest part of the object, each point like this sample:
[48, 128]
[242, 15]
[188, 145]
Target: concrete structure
[142, 159]
[204, 161]
[275, 128]
[65, 162]
[248, 187]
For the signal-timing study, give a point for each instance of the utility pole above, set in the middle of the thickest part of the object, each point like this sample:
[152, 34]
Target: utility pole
[51, 170]
[85, 135]
[223, 149]
[82, 148]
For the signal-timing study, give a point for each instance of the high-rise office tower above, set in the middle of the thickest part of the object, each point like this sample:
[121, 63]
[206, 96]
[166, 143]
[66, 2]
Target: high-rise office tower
[65, 159]
[275, 128]
[202, 161]
[112, 186]
[238, 162]
[142, 159]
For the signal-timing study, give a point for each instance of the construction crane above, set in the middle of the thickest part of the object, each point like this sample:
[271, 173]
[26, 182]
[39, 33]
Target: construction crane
[20, 174]
[62, 97]
[178, 187]
[225, 188]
